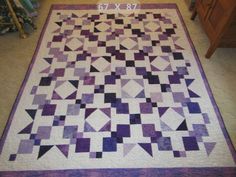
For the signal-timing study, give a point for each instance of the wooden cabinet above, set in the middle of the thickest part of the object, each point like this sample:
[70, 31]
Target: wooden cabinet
[218, 18]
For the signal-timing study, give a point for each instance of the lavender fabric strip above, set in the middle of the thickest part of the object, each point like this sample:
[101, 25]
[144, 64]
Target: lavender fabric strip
[151, 172]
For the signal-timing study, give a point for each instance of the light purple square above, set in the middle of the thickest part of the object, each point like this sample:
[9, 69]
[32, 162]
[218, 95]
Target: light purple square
[149, 130]
[87, 98]
[145, 108]
[73, 109]
[43, 132]
[26, 147]
[39, 99]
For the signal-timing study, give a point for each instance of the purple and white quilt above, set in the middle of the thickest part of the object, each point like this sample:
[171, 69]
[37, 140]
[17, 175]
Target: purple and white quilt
[115, 92]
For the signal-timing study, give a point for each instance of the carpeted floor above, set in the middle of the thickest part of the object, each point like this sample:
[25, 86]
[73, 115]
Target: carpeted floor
[138, 86]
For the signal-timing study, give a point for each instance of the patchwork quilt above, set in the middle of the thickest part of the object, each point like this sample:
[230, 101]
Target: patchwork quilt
[115, 89]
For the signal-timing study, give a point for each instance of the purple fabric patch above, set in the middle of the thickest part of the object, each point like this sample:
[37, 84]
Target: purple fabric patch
[43, 132]
[82, 145]
[149, 130]
[26, 147]
[190, 144]
[146, 108]
[123, 131]
[49, 109]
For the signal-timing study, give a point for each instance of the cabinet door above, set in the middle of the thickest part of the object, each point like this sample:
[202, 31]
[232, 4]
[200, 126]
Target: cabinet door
[218, 16]
[203, 7]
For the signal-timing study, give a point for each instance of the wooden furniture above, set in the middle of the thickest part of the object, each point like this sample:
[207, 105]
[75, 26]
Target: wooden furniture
[218, 18]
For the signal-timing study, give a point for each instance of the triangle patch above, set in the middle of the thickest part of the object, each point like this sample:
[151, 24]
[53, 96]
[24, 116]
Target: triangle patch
[64, 148]
[66, 48]
[189, 81]
[123, 48]
[43, 150]
[127, 148]
[162, 110]
[31, 113]
[55, 96]
[192, 94]
[106, 111]
[89, 111]
[75, 83]
[48, 60]
[183, 126]
[168, 68]
[141, 95]
[179, 110]
[72, 96]
[147, 147]
[209, 147]
[165, 127]
[106, 127]
[27, 129]
[88, 128]
[93, 69]
[154, 68]
[178, 47]
[47, 70]
[74, 16]
[59, 23]
[125, 94]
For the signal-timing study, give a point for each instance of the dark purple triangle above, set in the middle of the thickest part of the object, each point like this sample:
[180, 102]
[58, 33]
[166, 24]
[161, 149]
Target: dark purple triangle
[147, 147]
[43, 150]
[27, 129]
[107, 58]
[141, 95]
[66, 48]
[59, 23]
[152, 58]
[106, 111]
[75, 83]
[93, 69]
[162, 110]
[31, 112]
[106, 127]
[123, 48]
[72, 96]
[64, 148]
[74, 16]
[96, 30]
[192, 94]
[55, 96]
[48, 60]
[89, 111]
[183, 126]
[189, 81]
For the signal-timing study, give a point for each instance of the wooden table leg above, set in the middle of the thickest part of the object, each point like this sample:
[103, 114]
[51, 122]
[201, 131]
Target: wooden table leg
[210, 50]
[16, 21]
[194, 14]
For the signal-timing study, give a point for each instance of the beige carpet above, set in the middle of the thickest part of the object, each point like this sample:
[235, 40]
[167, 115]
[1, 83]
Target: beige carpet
[16, 54]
